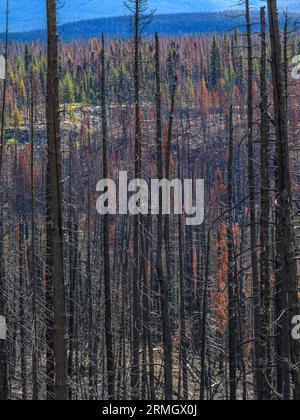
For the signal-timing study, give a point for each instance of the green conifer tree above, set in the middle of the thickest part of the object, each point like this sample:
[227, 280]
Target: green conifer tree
[215, 63]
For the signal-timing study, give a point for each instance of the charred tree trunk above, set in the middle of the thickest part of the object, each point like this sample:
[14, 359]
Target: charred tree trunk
[286, 276]
[167, 173]
[22, 312]
[232, 289]
[55, 255]
[110, 359]
[33, 247]
[204, 319]
[264, 219]
[3, 356]
[136, 304]
[89, 280]
[253, 227]
[73, 267]
[162, 279]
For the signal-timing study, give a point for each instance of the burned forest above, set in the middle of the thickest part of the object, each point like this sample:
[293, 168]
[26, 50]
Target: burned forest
[150, 211]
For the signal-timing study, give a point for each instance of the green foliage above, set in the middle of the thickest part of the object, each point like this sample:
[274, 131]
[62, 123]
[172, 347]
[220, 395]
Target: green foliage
[17, 118]
[67, 89]
[27, 58]
[10, 142]
[215, 63]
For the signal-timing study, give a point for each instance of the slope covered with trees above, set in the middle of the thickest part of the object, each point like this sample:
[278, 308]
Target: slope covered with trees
[167, 25]
[31, 14]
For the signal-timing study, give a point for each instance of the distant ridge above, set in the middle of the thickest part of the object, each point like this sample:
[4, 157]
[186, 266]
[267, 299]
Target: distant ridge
[29, 15]
[166, 25]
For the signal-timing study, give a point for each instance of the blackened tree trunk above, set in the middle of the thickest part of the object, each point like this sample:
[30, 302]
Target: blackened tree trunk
[147, 331]
[35, 366]
[167, 172]
[286, 275]
[182, 311]
[55, 261]
[232, 289]
[204, 319]
[162, 278]
[73, 263]
[264, 218]
[22, 312]
[89, 280]
[136, 304]
[3, 356]
[110, 359]
[253, 227]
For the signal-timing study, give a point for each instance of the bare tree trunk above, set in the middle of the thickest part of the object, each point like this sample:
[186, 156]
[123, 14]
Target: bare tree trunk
[167, 169]
[147, 332]
[204, 318]
[110, 358]
[183, 339]
[55, 256]
[253, 227]
[22, 312]
[293, 288]
[89, 282]
[73, 262]
[264, 218]
[3, 355]
[162, 279]
[136, 310]
[35, 366]
[287, 271]
[232, 289]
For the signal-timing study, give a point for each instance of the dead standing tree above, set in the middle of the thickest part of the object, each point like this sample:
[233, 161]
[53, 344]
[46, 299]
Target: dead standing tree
[253, 227]
[232, 286]
[110, 359]
[3, 358]
[264, 217]
[55, 259]
[162, 278]
[286, 273]
[138, 9]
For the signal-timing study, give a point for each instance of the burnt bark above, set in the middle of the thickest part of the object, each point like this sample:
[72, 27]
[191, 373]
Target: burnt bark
[110, 359]
[232, 287]
[286, 274]
[55, 255]
[252, 205]
[264, 219]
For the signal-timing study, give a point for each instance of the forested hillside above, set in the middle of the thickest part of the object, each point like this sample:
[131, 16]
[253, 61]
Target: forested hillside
[145, 307]
[28, 15]
[166, 25]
